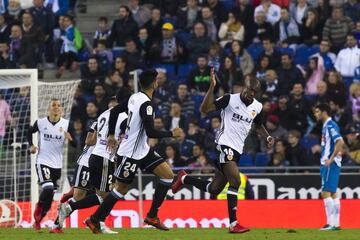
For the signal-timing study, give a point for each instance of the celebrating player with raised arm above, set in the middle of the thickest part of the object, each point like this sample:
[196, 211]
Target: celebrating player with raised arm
[330, 163]
[53, 131]
[238, 112]
[134, 152]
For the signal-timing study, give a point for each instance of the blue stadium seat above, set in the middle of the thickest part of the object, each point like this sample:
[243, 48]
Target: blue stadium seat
[183, 36]
[261, 159]
[303, 53]
[255, 50]
[308, 142]
[184, 70]
[169, 68]
[289, 51]
[228, 4]
[117, 52]
[246, 160]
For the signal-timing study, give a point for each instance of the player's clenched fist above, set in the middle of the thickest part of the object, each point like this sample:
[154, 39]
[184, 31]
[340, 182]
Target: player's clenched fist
[33, 149]
[176, 132]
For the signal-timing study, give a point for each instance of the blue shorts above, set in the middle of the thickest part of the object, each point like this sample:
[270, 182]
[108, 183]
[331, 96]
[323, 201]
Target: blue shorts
[329, 177]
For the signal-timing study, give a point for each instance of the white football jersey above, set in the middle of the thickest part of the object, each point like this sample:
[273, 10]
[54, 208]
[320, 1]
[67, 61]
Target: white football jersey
[134, 145]
[102, 134]
[236, 121]
[83, 159]
[51, 143]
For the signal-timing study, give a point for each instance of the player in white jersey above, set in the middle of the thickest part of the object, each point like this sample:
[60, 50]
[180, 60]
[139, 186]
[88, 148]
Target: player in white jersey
[134, 152]
[101, 167]
[330, 165]
[238, 112]
[81, 183]
[53, 131]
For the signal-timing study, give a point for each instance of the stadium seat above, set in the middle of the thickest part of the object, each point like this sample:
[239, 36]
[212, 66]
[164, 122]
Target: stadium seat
[117, 52]
[255, 50]
[183, 36]
[246, 160]
[303, 53]
[169, 68]
[261, 159]
[289, 51]
[184, 70]
[308, 142]
[228, 4]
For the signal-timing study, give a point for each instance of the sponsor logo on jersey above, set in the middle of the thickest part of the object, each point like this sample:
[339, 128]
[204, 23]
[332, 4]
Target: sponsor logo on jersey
[237, 118]
[253, 113]
[50, 137]
[61, 129]
[103, 141]
[83, 182]
[149, 110]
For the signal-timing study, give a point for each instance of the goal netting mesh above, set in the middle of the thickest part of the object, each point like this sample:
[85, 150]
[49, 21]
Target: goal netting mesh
[19, 90]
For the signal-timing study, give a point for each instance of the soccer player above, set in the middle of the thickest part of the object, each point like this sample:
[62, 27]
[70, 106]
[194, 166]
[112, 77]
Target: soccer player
[81, 184]
[134, 152]
[101, 167]
[238, 112]
[330, 163]
[53, 131]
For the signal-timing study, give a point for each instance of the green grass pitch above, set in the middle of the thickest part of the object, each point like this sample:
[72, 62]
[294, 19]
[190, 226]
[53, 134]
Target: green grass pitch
[179, 234]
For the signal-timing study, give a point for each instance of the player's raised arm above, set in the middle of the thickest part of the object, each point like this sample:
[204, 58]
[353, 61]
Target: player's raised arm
[91, 135]
[32, 129]
[208, 103]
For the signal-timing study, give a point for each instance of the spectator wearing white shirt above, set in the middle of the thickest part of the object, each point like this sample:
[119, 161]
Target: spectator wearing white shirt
[271, 10]
[299, 10]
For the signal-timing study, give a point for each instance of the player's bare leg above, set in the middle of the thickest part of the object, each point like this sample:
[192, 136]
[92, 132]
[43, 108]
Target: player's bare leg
[166, 175]
[118, 192]
[231, 172]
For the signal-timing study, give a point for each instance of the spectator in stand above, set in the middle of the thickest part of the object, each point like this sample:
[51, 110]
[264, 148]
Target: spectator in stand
[104, 55]
[141, 14]
[270, 51]
[214, 56]
[100, 98]
[288, 75]
[185, 146]
[166, 88]
[183, 97]
[193, 132]
[243, 60]
[123, 28]
[199, 78]
[154, 25]
[274, 128]
[261, 29]
[92, 113]
[352, 10]
[199, 42]
[261, 68]
[103, 32]
[337, 28]
[270, 85]
[5, 62]
[328, 57]
[113, 83]
[218, 10]
[272, 11]
[348, 59]
[4, 120]
[68, 52]
[169, 50]
[207, 16]
[175, 118]
[4, 30]
[353, 143]
[298, 11]
[144, 43]
[58, 34]
[172, 156]
[310, 30]
[78, 109]
[278, 157]
[79, 135]
[229, 75]
[283, 110]
[314, 74]
[245, 13]
[121, 67]
[15, 45]
[341, 115]
[357, 32]
[14, 13]
[91, 75]
[286, 30]
[299, 110]
[199, 160]
[231, 30]
[210, 135]
[133, 55]
[188, 15]
[324, 10]
[321, 95]
[296, 154]
[355, 100]
[58, 7]
[336, 87]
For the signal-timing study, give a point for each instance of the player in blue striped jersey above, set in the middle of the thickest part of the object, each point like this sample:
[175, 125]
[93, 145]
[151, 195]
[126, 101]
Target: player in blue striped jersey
[330, 164]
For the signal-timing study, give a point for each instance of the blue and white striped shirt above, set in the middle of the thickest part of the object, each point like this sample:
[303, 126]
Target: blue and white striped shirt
[330, 134]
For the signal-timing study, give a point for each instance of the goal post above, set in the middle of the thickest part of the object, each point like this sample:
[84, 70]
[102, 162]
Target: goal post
[28, 100]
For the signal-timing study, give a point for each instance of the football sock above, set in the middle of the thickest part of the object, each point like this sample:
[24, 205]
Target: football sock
[232, 203]
[87, 202]
[200, 184]
[336, 213]
[45, 200]
[105, 207]
[159, 196]
[329, 207]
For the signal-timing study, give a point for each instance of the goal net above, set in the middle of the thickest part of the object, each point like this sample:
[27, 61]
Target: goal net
[24, 99]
